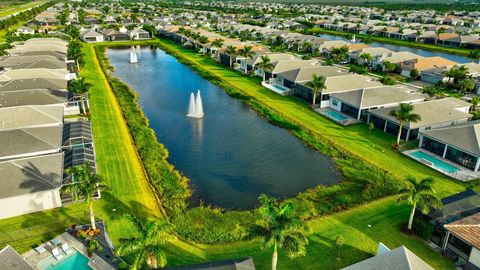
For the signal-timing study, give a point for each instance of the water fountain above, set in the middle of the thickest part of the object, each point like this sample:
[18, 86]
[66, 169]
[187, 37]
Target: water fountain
[195, 107]
[133, 56]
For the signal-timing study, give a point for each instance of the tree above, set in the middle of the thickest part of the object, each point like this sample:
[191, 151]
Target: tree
[231, 51]
[457, 73]
[414, 73]
[80, 87]
[474, 55]
[281, 228]
[146, 247]
[432, 91]
[421, 195]
[81, 16]
[150, 28]
[217, 43]
[72, 31]
[247, 53]
[317, 84]
[404, 114]
[466, 85]
[74, 52]
[85, 184]
[475, 102]
[265, 65]
[389, 67]
[366, 57]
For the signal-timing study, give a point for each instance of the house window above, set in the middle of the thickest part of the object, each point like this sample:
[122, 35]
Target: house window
[428, 128]
[334, 102]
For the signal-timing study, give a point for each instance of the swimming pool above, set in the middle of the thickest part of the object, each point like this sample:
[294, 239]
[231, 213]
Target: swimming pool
[335, 115]
[280, 88]
[436, 163]
[74, 261]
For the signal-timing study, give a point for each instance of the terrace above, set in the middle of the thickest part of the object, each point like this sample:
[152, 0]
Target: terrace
[277, 88]
[336, 116]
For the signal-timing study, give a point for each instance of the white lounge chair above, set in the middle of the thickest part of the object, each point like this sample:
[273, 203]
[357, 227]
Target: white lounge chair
[66, 248]
[56, 254]
[40, 249]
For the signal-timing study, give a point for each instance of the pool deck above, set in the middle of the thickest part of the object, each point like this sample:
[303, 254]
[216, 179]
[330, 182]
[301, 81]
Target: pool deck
[348, 121]
[95, 262]
[463, 174]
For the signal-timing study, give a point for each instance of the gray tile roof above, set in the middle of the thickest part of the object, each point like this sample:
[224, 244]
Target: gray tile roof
[29, 141]
[432, 112]
[348, 82]
[32, 61]
[379, 96]
[400, 258]
[36, 73]
[32, 97]
[29, 175]
[35, 83]
[286, 65]
[463, 137]
[305, 74]
[11, 260]
[30, 116]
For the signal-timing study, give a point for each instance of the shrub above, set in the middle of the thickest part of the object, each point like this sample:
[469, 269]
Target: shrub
[211, 225]
[388, 80]
[423, 228]
[414, 74]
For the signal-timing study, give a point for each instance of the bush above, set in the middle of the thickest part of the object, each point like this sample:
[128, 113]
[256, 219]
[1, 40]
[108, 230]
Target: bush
[414, 74]
[388, 80]
[422, 228]
[211, 226]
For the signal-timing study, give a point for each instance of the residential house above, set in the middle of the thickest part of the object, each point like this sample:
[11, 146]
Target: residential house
[400, 258]
[357, 103]
[25, 30]
[422, 64]
[436, 75]
[463, 239]
[375, 52]
[459, 144]
[434, 114]
[114, 35]
[92, 36]
[139, 34]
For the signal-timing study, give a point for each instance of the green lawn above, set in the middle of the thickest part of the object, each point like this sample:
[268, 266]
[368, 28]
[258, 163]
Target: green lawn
[117, 162]
[18, 8]
[121, 167]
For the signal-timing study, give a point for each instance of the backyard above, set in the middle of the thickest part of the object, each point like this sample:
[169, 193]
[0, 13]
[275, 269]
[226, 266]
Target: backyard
[119, 164]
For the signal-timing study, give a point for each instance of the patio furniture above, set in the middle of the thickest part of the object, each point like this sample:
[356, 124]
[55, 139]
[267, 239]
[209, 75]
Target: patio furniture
[56, 254]
[55, 242]
[66, 249]
[40, 249]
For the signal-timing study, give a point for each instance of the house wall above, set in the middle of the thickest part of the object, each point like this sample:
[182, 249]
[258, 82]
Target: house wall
[332, 103]
[29, 203]
[475, 257]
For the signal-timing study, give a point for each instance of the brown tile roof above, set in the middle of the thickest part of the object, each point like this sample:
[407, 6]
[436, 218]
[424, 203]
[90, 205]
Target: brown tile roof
[358, 46]
[467, 229]
[428, 63]
[445, 36]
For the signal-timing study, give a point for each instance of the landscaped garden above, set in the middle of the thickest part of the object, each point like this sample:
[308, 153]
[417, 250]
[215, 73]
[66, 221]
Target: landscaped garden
[365, 158]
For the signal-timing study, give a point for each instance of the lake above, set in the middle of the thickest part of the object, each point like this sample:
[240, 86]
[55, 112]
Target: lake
[231, 155]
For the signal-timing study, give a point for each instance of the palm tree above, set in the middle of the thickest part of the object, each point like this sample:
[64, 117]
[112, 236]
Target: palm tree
[404, 114]
[265, 65]
[317, 84]
[366, 57]
[475, 102]
[85, 184]
[281, 228]
[217, 43]
[80, 87]
[247, 53]
[147, 244]
[231, 51]
[421, 195]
